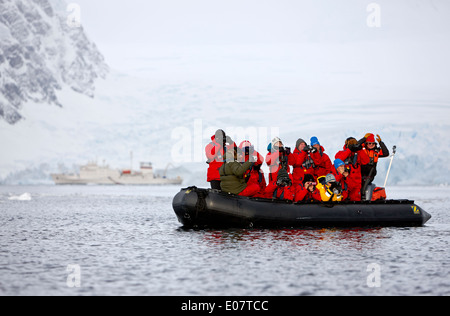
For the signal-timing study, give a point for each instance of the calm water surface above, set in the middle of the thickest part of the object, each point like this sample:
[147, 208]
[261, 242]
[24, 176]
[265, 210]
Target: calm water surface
[127, 241]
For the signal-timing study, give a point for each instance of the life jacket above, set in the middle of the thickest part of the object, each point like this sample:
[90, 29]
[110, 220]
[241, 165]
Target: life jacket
[379, 194]
[325, 193]
[373, 155]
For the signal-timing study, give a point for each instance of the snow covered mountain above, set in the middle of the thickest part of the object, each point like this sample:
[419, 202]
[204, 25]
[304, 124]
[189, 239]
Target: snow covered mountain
[40, 54]
[344, 79]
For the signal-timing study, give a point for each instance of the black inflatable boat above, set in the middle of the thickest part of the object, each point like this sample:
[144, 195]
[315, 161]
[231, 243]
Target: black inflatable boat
[202, 208]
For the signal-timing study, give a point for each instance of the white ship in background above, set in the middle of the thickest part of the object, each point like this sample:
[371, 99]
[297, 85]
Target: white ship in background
[92, 173]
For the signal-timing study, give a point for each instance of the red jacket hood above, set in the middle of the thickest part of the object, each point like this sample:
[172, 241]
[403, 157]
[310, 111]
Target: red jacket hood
[213, 138]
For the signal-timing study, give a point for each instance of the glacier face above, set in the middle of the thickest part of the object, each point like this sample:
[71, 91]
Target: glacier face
[40, 54]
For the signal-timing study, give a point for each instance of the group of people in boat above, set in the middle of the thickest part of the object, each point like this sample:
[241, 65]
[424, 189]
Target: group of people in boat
[305, 174]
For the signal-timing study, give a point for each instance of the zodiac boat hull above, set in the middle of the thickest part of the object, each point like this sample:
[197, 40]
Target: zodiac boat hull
[203, 208]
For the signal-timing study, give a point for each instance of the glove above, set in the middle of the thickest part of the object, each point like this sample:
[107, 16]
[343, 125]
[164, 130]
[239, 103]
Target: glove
[378, 139]
[367, 135]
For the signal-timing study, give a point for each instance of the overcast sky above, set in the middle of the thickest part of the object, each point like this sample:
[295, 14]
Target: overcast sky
[243, 21]
[123, 29]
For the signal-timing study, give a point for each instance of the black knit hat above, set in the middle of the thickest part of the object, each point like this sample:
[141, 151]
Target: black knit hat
[308, 178]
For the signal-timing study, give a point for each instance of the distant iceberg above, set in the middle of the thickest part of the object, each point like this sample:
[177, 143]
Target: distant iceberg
[23, 197]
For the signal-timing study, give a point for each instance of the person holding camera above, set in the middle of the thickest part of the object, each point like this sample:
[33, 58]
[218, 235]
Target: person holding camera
[254, 175]
[215, 154]
[277, 158]
[232, 175]
[341, 173]
[307, 191]
[281, 188]
[300, 161]
[354, 158]
[322, 163]
[329, 188]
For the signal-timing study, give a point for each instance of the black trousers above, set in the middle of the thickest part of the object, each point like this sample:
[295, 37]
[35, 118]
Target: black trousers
[215, 184]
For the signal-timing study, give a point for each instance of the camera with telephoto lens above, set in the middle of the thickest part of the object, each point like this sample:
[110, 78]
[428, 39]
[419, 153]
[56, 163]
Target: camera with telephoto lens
[283, 179]
[336, 188]
[309, 149]
[284, 153]
[249, 150]
[309, 163]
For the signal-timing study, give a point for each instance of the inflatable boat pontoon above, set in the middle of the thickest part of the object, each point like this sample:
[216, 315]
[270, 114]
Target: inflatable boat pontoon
[206, 208]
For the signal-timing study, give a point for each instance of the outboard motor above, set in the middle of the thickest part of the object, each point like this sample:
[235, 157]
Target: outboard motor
[369, 192]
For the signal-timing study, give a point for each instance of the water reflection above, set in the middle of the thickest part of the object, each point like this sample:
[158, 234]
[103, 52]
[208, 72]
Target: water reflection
[356, 238]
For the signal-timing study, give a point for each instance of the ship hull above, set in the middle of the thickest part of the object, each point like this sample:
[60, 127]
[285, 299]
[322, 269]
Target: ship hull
[61, 179]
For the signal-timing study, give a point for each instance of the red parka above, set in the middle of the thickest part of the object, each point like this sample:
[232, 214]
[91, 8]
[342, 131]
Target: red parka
[353, 161]
[296, 160]
[283, 193]
[273, 161]
[256, 175]
[343, 182]
[214, 153]
[322, 162]
[304, 195]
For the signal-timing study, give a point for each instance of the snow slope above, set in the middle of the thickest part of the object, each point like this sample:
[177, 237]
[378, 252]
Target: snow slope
[166, 100]
[40, 54]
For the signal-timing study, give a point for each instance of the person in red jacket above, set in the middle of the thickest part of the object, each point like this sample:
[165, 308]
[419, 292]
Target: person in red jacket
[277, 157]
[341, 173]
[215, 155]
[254, 175]
[307, 191]
[374, 152]
[354, 157]
[322, 163]
[281, 188]
[301, 163]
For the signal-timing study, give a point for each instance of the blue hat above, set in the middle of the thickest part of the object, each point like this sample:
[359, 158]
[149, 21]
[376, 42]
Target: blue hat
[338, 163]
[314, 141]
[269, 147]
